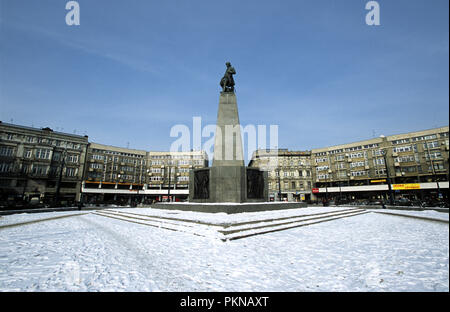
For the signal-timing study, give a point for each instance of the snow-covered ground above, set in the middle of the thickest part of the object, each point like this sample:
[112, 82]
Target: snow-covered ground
[91, 252]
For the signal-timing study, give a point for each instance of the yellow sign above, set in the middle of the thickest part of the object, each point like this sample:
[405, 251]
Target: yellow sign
[410, 186]
[376, 181]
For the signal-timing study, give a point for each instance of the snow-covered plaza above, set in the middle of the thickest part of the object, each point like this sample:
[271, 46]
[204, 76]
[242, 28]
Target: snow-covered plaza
[308, 249]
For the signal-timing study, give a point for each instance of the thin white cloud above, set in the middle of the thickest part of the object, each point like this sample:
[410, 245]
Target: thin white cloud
[85, 46]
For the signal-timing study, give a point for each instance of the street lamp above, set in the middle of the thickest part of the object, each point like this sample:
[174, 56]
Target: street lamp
[348, 179]
[58, 187]
[391, 195]
[433, 171]
[340, 191]
[326, 184]
[279, 183]
[168, 191]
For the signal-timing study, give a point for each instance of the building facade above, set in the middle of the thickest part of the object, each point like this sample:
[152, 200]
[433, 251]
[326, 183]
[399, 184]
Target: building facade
[40, 164]
[415, 163]
[48, 166]
[289, 173]
[121, 175]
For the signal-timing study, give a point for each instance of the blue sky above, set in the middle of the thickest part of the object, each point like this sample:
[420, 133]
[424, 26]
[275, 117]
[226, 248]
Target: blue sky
[133, 69]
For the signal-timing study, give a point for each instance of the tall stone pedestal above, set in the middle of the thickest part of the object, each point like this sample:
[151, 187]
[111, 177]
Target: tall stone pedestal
[228, 149]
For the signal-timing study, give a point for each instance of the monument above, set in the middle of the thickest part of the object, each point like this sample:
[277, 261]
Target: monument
[228, 186]
[228, 180]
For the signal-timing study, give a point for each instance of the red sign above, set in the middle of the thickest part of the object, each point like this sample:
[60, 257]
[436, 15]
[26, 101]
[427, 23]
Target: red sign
[315, 190]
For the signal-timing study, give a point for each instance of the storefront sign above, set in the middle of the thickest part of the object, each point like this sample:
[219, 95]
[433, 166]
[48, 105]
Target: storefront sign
[409, 186]
[377, 181]
[315, 190]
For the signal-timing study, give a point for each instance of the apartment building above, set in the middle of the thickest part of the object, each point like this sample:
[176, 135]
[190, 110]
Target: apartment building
[48, 165]
[415, 163]
[40, 164]
[289, 173]
[116, 174]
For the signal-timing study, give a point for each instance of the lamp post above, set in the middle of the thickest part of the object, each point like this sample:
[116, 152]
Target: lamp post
[340, 191]
[279, 184]
[58, 187]
[348, 181]
[168, 191]
[326, 185]
[433, 171]
[388, 178]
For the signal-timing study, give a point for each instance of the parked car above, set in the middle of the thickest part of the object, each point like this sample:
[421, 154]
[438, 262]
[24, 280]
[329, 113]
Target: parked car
[403, 202]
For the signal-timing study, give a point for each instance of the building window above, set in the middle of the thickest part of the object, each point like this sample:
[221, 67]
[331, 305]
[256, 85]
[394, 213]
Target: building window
[406, 148]
[71, 172]
[358, 164]
[96, 166]
[40, 169]
[378, 161]
[5, 167]
[433, 155]
[427, 137]
[27, 153]
[437, 166]
[401, 159]
[401, 141]
[380, 171]
[358, 173]
[377, 152]
[6, 151]
[321, 168]
[409, 169]
[72, 158]
[433, 144]
[98, 157]
[320, 160]
[43, 153]
[25, 168]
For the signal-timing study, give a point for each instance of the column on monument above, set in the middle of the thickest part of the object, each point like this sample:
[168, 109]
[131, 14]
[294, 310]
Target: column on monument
[228, 149]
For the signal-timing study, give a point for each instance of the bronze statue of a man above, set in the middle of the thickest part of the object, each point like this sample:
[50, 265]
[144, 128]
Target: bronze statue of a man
[227, 82]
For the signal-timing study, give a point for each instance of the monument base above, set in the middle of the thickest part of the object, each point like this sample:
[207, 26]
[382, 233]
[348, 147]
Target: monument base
[228, 184]
[229, 208]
